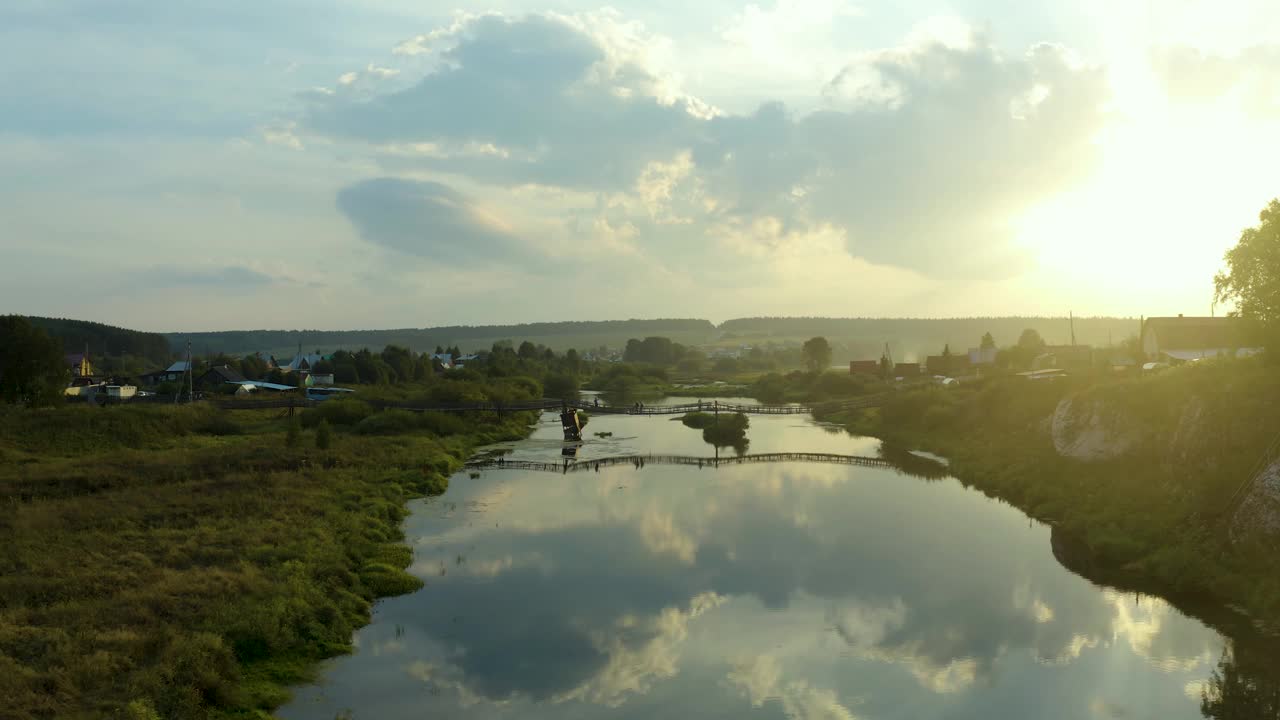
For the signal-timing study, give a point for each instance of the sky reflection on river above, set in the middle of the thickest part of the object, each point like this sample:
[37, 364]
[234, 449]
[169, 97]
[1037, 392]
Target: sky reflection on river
[787, 590]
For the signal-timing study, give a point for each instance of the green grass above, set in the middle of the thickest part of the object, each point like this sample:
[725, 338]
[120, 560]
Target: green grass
[184, 563]
[1150, 515]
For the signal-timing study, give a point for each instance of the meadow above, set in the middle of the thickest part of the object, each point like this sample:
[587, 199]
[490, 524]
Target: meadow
[187, 562]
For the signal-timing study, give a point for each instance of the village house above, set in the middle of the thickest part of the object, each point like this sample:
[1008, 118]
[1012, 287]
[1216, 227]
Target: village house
[982, 356]
[907, 371]
[864, 367]
[948, 365]
[1187, 339]
[215, 377]
[79, 365]
[173, 373]
[1064, 357]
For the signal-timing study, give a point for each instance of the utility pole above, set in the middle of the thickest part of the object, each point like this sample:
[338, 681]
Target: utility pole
[1071, 317]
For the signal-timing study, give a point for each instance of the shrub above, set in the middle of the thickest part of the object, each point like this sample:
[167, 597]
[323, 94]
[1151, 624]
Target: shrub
[293, 436]
[384, 580]
[343, 411]
[442, 424]
[324, 436]
[217, 423]
[698, 420]
[562, 386]
[388, 422]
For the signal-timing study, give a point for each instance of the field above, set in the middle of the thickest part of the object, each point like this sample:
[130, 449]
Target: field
[182, 562]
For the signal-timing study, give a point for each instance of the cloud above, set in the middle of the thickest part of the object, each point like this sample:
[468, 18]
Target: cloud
[759, 679]
[431, 220]
[567, 105]
[924, 157]
[230, 277]
[1251, 77]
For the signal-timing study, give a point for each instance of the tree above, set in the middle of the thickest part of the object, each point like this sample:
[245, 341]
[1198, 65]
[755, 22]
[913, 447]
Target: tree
[1252, 278]
[1030, 340]
[527, 351]
[988, 342]
[561, 386]
[324, 435]
[817, 354]
[32, 367]
[293, 436]
[946, 350]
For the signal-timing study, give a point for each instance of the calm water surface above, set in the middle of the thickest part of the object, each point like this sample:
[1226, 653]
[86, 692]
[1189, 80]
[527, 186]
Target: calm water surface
[786, 590]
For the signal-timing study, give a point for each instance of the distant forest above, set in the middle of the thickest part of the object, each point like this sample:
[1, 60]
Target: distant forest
[914, 338]
[106, 340]
[559, 336]
[851, 338]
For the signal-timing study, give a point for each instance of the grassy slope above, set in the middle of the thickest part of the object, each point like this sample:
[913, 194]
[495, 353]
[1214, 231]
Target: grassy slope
[1152, 514]
[177, 563]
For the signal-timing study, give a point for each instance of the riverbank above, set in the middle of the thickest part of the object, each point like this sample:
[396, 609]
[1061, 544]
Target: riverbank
[1140, 470]
[166, 562]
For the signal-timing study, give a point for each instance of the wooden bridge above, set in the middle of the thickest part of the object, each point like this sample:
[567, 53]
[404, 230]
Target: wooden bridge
[708, 406]
[639, 461]
[914, 465]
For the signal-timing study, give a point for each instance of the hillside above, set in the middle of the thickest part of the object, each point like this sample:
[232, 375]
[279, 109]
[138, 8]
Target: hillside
[851, 338]
[106, 340]
[914, 338]
[559, 336]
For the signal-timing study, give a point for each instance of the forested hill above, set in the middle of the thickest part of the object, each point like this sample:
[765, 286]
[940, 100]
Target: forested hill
[920, 336]
[560, 336]
[851, 338]
[105, 340]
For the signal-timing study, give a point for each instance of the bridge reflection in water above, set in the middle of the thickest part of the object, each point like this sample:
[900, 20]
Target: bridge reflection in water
[905, 463]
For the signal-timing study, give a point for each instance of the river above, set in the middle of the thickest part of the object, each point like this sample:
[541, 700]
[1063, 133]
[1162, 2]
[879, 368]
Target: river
[771, 590]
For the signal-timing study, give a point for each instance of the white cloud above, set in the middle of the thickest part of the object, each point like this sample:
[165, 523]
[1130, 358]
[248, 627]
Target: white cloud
[760, 680]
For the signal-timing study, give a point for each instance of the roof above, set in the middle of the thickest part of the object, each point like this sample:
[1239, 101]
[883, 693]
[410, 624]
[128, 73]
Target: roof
[1189, 355]
[180, 366]
[310, 359]
[261, 384]
[225, 373]
[1194, 333]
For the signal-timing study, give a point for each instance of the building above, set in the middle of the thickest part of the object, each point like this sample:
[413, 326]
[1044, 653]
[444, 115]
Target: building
[173, 373]
[302, 362]
[982, 356]
[79, 365]
[1186, 339]
[948, 365]
[1064, 357]
[864, 367]
[215, 376]
[907, 371]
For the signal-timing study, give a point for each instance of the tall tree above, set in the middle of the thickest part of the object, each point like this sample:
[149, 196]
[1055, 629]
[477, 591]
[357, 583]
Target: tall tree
[817, 353]
[1252, 277]
[1030, 340]
[32, 368]
[988, 342]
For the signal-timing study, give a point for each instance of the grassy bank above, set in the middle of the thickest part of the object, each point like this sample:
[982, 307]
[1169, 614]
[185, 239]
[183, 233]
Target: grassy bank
[180, 562]
[1151, 506]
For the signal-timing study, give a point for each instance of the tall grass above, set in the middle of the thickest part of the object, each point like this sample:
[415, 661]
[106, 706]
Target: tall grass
[157, 565]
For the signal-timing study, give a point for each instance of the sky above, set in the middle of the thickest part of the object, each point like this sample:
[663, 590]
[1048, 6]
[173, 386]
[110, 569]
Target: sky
[333, 164]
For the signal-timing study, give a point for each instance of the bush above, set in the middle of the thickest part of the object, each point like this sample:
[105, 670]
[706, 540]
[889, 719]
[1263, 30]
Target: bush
[324, 436]
[293, 436]
[384, 580]
[442, 424]
[562, 386]
[388, 422]
[217, 423]
[343, 411]
[698, 420]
